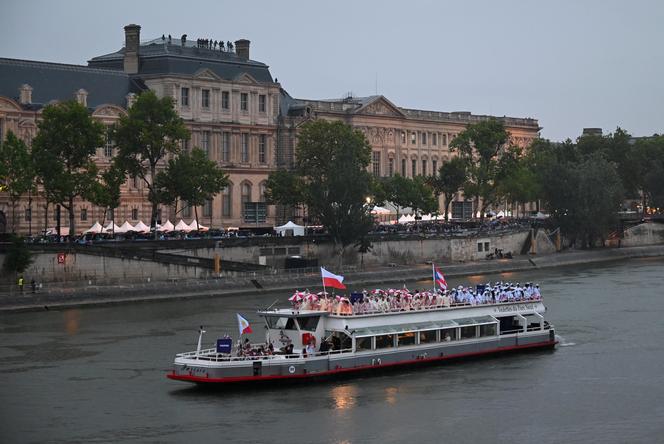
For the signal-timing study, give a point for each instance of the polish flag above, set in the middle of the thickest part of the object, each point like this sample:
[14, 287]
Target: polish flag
[243, 324]
[438, 278]
[332, 280]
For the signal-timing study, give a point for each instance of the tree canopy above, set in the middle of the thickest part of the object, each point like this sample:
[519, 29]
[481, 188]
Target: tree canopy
[449, 180]
[149, 132]
[62, 152]
[331, 178]
[191, 177]
[481, 145]
[16, 171]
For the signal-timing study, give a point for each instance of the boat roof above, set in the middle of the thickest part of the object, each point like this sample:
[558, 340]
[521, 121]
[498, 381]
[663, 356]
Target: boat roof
[291, 312]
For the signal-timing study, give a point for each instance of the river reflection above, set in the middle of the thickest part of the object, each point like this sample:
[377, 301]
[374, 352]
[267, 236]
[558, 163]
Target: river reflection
[344, 396]
[72, 320]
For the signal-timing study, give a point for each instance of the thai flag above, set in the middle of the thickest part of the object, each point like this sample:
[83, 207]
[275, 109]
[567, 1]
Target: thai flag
[332, 280]
[438, 278]
[243, 324]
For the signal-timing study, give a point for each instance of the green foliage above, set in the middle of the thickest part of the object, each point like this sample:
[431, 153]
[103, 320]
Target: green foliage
[106, 191]
[583, 195]
[330, 178]
[449, 180]
[518, 182]
[191, 177]
[648, 159]
[151, 130]
[62, 154]
[16, 171]
[480, 145]
[18, 257]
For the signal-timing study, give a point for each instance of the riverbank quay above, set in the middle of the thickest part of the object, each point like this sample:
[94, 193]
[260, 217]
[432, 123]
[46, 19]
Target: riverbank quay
[63, 296]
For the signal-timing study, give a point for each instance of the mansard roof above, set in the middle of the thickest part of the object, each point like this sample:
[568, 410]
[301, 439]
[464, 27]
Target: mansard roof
[158, 57]
[57, 81]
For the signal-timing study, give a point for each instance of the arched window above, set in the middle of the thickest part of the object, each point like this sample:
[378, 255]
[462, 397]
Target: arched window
[262, 188]
[246, 192]
[226, 201]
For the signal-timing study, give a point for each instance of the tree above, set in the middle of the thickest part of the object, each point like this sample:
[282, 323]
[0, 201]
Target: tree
[191, 177]
[16, 171]
[331, 179]
[422, 199]
[648, 157]
[62, 152]
[449, 180]
[517, 182]
[18, 257]
[480, 145]
[151, 131]
[106, 191]
[396, 190]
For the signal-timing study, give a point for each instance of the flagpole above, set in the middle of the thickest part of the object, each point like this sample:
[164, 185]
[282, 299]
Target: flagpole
[433, 275]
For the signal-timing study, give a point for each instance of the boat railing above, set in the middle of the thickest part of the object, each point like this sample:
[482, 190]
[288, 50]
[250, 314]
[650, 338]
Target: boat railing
[212, 355]
[431, 307]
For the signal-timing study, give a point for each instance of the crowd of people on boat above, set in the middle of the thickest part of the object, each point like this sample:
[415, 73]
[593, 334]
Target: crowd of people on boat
[392, 299]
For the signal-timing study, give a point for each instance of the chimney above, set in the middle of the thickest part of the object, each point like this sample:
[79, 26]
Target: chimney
[132, 43]
[25, 94]
[242, 48]
[82, 97]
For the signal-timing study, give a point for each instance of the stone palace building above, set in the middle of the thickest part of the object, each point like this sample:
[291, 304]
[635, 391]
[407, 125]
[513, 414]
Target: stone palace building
[236, 112]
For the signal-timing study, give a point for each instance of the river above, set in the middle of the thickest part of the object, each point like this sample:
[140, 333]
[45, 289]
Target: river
[98, 375]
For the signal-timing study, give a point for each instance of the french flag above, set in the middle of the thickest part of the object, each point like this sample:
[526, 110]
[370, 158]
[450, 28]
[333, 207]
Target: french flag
[332, 280]
[438, 278]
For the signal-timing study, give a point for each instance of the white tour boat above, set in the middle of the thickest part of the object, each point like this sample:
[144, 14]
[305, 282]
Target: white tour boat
[303, 343]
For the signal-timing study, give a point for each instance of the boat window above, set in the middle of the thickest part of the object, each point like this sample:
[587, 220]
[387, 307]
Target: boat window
[308, 323]
[281, 323]
[404, 339]
[384, 341]
[488, 330]
[468, 332]
[363, 343]
[427, 336]
[448, 334]
[340, 340]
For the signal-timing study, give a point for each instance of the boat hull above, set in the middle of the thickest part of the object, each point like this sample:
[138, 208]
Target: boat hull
[297, 369]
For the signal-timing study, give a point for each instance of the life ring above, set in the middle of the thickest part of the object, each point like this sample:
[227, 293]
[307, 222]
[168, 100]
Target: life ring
[291, 369]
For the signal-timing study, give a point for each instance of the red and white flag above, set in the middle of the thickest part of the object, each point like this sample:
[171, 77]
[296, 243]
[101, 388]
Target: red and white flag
[243, 324]
[332, 280]
[438, 278]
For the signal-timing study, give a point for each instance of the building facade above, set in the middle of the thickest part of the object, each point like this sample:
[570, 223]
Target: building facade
[235, 111]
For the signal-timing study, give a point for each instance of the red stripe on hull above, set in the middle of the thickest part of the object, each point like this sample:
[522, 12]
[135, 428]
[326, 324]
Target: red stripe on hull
[233, 379]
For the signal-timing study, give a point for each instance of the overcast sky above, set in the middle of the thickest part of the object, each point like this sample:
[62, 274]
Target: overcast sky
[570, 64]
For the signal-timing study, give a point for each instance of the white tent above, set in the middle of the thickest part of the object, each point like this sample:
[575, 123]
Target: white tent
[96, 228]
[64, 231]
[111, 227]
[380, 210]
[141, 227]
[406, 218]
[290, 229]
[125, 227]
[182, 226]
[166, 227]
[194, 226]
[427, 217]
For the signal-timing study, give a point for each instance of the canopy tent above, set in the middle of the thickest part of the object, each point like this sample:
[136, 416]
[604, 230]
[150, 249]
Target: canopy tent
[125, 227]
[64, 231]
[166, 227]
[197, 226]
[380, 210]
[406, 218]
[182, 226]
[290, 229]
[141, 227]
[111, 227]
[96, 228]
